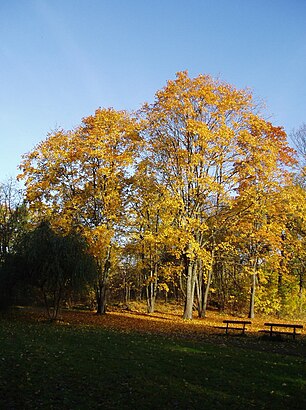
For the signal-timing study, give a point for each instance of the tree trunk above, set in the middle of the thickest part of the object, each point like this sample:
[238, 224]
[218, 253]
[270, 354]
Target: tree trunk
[57, 303]
[151, 290]
[151, 297]
[206, 293]
[280, 289]
[127, 293]
[199, 289]
[207, 287]
[252, 297]
[301, 286]
[101, 289]
[190, 287]
[101, 298]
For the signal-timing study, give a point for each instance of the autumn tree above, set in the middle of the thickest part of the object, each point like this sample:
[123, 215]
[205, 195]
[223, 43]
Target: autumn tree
[195, 206]
[76, 180]
[203, 137]
[292, 270]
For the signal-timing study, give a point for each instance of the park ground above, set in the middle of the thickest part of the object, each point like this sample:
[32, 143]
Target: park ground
[128, 359]
[167, 320]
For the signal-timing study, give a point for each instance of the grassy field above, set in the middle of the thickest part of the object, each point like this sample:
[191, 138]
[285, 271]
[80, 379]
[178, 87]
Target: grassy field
[86, 366]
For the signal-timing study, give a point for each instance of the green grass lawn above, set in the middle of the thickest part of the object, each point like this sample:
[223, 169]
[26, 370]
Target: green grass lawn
[72, 367]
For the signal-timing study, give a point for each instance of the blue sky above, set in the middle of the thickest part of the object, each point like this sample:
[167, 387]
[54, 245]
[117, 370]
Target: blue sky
[62, 59]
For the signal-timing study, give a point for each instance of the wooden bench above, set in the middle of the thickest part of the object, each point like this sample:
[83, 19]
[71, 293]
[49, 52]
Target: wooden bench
[275, 329]
[236, 325]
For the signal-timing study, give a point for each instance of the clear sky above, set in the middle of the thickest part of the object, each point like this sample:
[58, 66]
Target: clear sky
[62, 59]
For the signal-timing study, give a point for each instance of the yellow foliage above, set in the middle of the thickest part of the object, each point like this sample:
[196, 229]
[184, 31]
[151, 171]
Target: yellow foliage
[75, 178]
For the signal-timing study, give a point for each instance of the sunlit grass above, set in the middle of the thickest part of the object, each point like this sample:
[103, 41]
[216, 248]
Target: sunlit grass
[82, 367]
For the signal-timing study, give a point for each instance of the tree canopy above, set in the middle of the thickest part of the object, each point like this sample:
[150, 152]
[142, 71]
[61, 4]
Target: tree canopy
[190, 197]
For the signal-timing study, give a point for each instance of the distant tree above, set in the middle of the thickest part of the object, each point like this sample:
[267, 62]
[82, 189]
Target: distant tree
[12, 216]
[13, 220]
[298, 138]
[55, 264]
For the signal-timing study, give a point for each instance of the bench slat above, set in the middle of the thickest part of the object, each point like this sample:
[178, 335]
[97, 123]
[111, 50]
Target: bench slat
[291, 325]
[239, 322]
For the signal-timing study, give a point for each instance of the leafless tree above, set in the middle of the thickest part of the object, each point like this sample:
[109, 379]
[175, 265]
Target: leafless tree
[298, 138]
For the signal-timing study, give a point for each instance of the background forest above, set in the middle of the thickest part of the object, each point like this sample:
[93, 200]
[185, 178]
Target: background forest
[196, 197]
